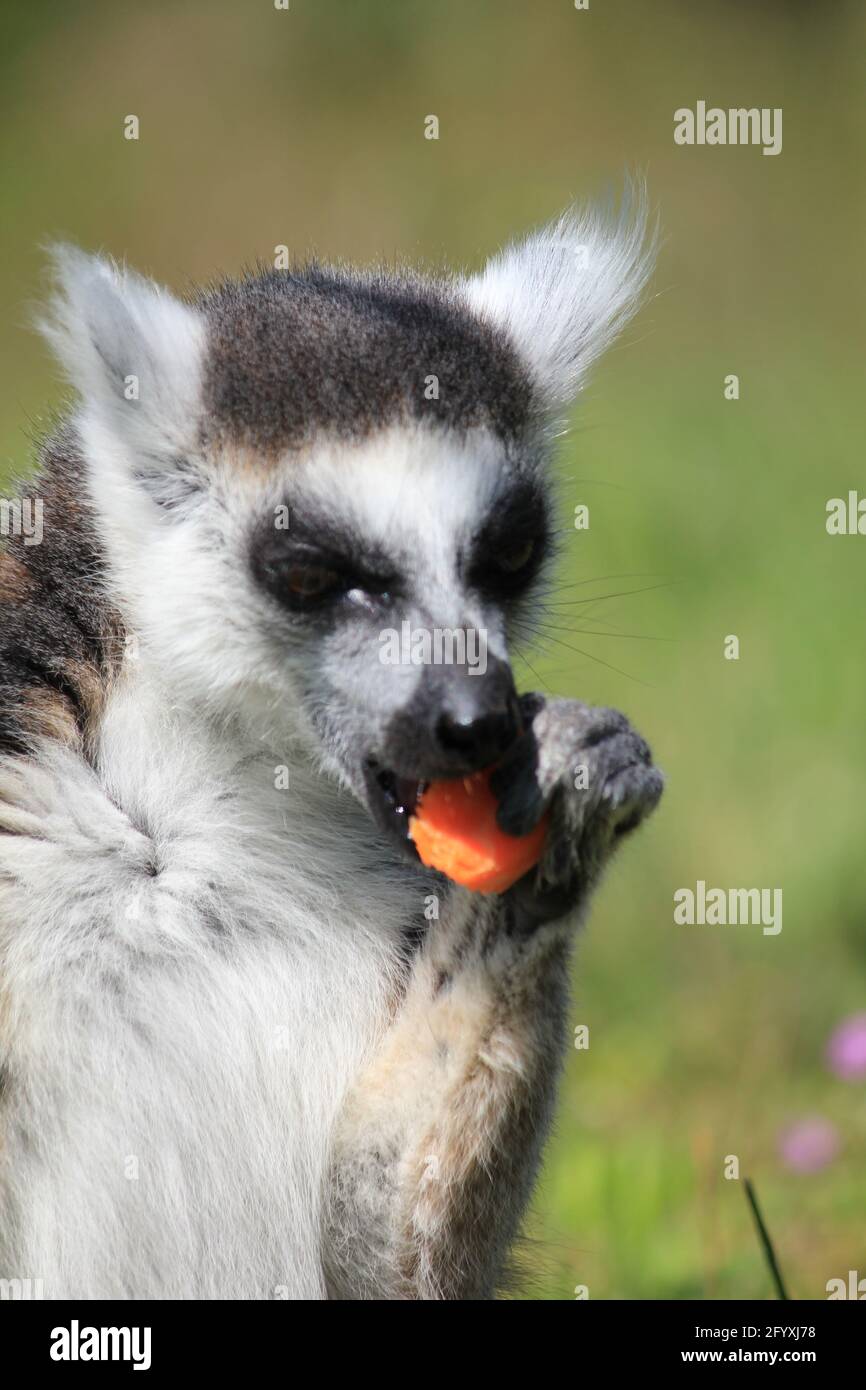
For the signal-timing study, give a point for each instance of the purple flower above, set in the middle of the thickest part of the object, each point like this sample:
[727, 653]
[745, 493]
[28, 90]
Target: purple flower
[846, 1050]
[808, 1145]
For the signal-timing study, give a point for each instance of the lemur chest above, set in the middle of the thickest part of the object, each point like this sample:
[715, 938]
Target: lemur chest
[199, 989]
[172, 1139]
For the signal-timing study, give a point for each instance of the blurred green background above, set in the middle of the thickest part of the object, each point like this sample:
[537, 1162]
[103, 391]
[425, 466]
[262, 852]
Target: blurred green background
[306, 127]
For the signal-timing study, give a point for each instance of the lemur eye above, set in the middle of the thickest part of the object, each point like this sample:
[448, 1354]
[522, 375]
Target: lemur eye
[311, 581]
[509, 552]
[514, 558]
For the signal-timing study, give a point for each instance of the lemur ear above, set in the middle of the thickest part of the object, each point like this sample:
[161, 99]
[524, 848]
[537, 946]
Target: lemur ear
[133, 352]
[565, 292]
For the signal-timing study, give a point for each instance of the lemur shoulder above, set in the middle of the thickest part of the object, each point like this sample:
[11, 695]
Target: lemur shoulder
[238, 1060]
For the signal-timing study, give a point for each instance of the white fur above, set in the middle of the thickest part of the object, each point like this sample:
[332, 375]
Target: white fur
[108, 325]
[201, 1025]
[566, 291]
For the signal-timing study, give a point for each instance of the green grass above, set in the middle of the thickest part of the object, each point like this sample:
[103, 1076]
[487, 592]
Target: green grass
[707, 1041]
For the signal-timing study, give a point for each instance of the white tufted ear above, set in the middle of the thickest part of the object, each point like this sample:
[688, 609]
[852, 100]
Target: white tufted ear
[565, 292]
[132, 351]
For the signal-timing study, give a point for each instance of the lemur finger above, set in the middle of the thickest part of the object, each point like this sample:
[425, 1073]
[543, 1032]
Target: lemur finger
[521, 802]
[632, 793]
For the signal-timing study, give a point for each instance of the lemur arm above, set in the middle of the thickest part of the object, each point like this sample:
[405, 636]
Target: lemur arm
[438, 1145]
[439, 1141]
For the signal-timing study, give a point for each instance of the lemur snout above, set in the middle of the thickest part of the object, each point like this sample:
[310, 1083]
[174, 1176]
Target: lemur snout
[480, 740]
[459, 721]
[483, 721]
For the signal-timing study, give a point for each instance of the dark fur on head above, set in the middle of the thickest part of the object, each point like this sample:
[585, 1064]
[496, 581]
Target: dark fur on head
[292, 353]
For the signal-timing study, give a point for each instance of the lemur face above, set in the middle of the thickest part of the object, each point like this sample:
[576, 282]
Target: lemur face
[401, 519]
[394, 586]
[323, 496]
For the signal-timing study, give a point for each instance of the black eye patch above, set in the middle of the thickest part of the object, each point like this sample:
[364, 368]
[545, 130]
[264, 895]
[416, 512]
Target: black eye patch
[510, 549]
[308, 567]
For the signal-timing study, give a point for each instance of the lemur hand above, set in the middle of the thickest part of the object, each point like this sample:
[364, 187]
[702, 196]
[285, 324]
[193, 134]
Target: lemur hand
[596, 775]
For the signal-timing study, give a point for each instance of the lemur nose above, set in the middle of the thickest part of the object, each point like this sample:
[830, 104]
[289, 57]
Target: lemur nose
[481, 720]
[458, 721]
[480, 740]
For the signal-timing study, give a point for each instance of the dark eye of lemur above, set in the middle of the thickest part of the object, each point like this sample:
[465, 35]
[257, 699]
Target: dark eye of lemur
[308, 581]
[510, 548]
[306, 578]
[311, 581]
[516, 557]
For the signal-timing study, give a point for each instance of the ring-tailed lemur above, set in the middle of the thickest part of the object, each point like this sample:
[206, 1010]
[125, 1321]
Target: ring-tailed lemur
[250, 1046]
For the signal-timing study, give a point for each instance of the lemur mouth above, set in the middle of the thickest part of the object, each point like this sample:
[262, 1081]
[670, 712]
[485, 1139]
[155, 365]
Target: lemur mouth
[393, 800]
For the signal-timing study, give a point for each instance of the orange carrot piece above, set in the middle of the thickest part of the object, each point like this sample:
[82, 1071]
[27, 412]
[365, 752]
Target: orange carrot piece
[455, 831]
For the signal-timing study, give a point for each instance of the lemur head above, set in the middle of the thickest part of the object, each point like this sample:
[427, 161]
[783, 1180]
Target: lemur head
[297, 473]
